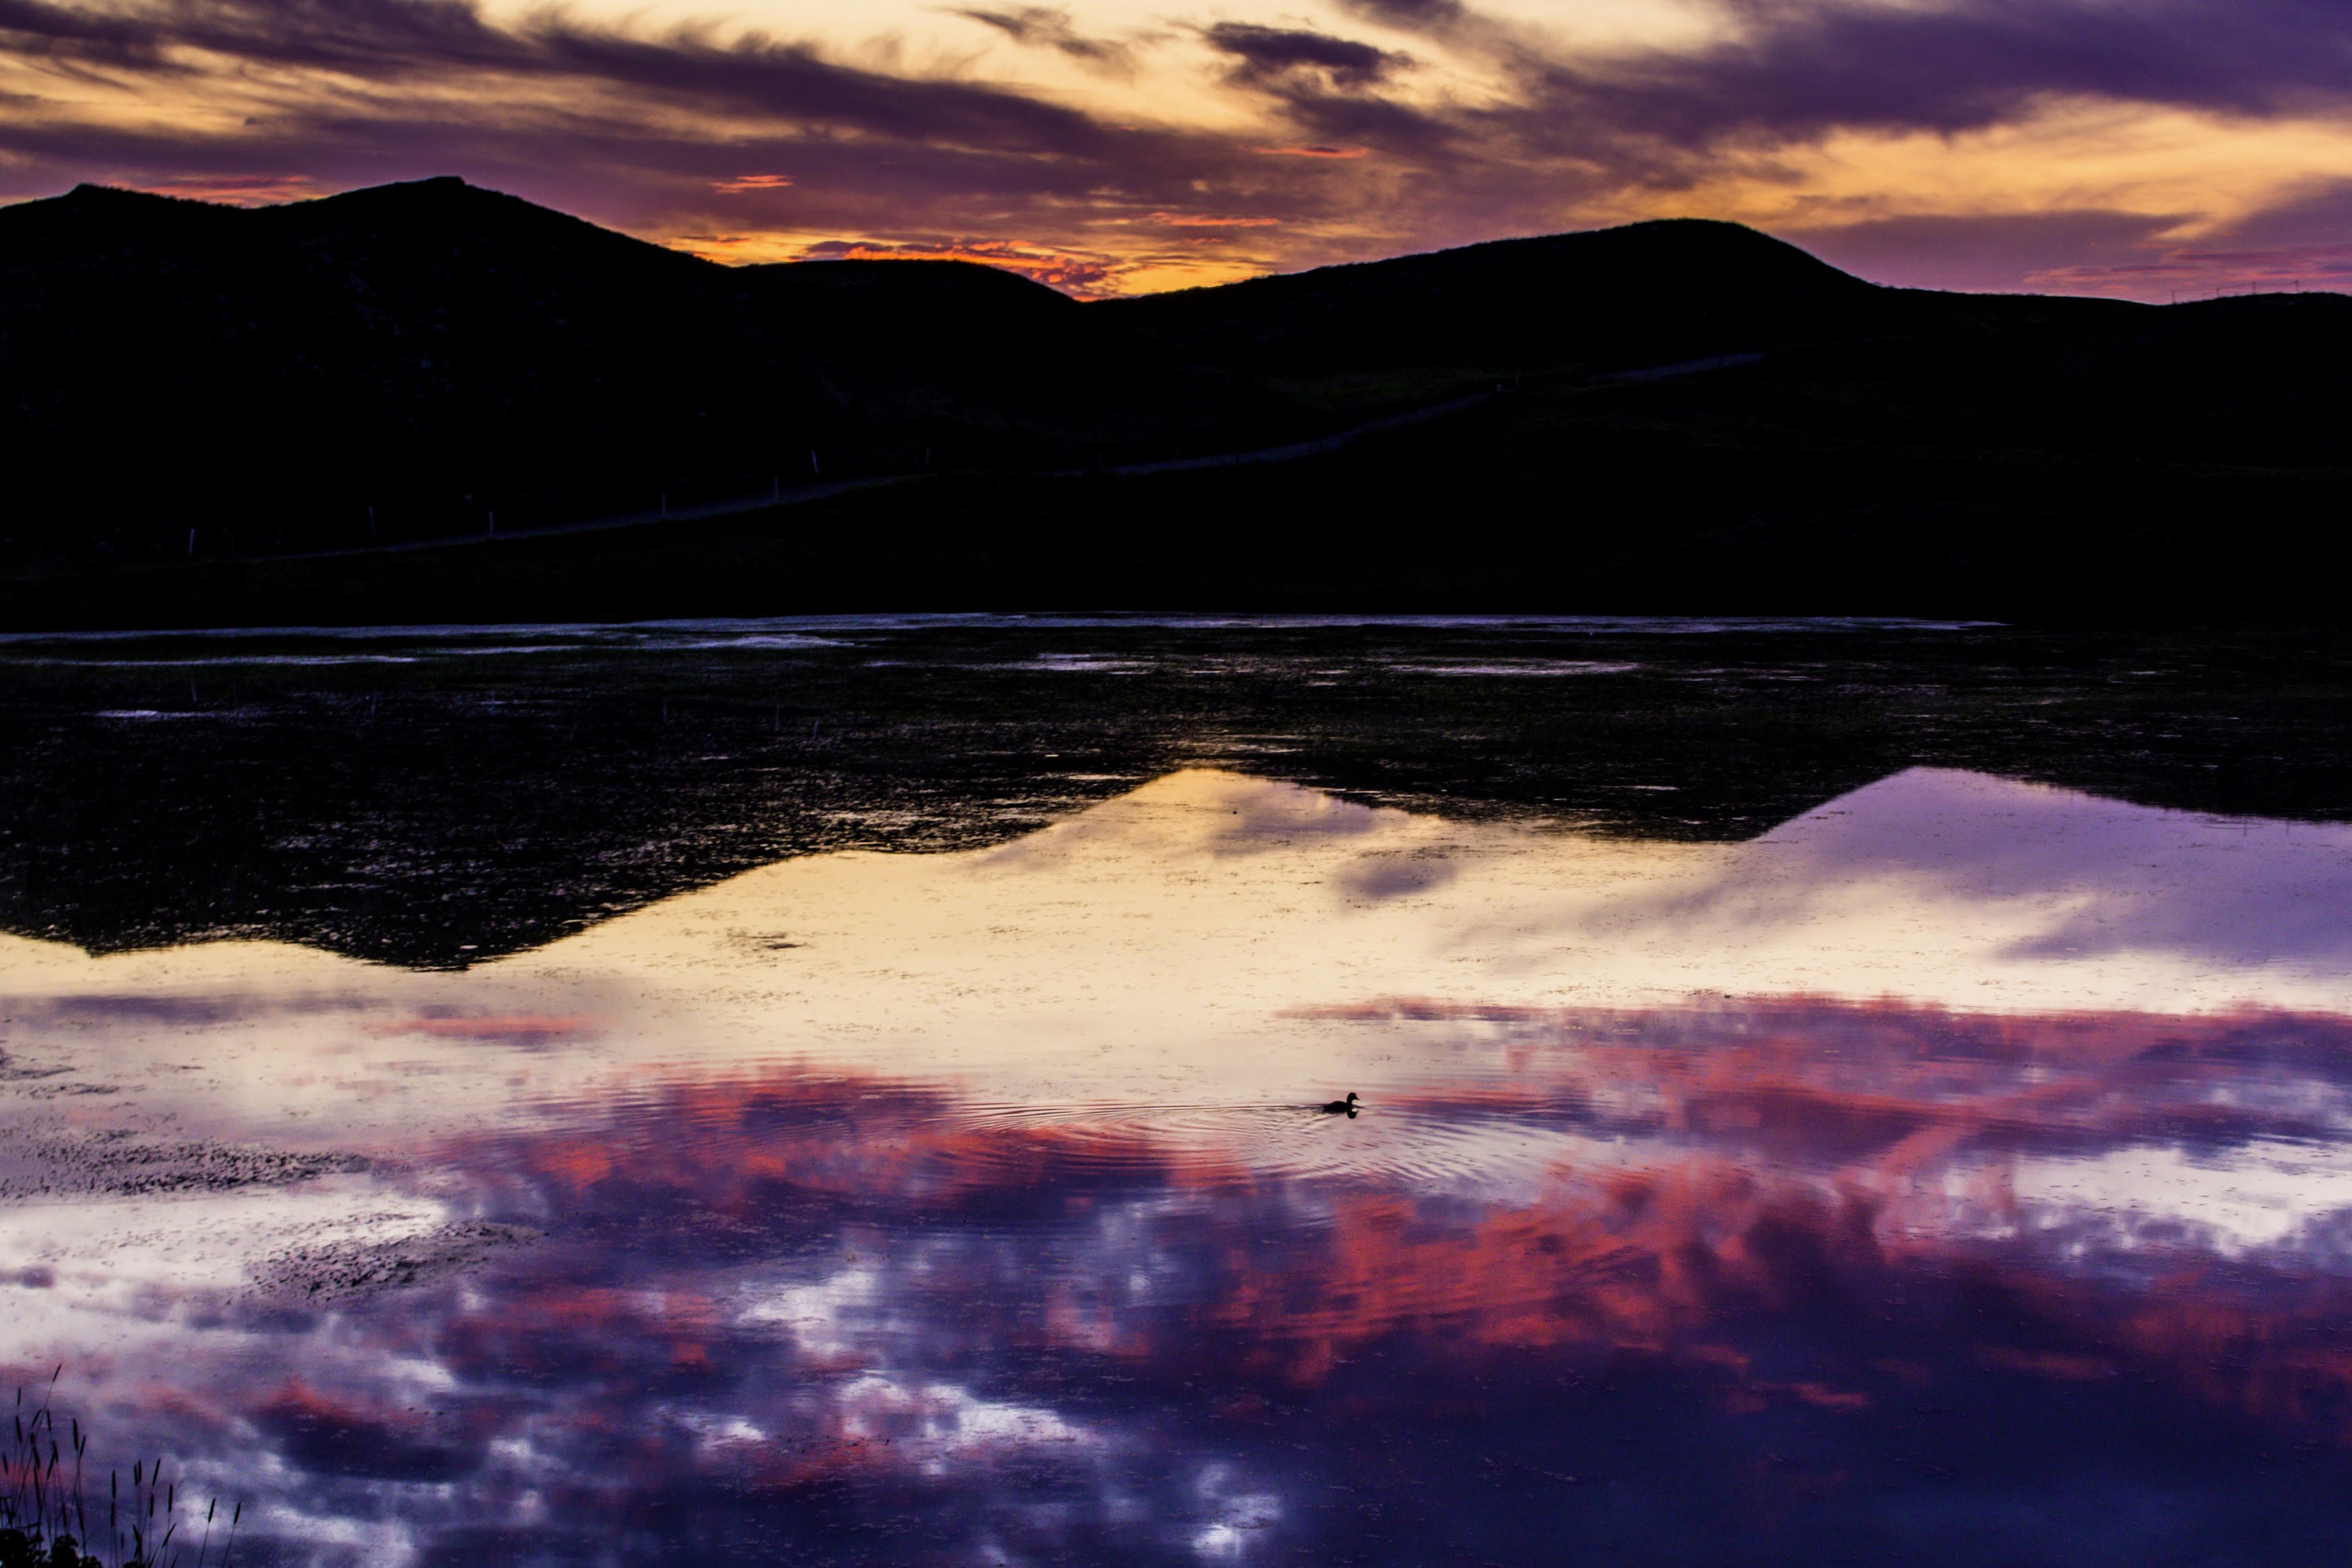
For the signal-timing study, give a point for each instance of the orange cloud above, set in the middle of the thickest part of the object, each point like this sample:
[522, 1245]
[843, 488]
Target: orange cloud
[1072, 272]
[233, 190]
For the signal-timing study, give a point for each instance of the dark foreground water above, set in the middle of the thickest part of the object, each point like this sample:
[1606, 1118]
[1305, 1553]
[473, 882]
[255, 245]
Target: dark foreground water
[1828, 1094]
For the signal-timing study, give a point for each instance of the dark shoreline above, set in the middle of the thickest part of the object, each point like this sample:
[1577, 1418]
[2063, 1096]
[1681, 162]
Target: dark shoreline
[433, 800]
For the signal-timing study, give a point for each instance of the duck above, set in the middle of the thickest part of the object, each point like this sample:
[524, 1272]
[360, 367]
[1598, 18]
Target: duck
[1341, 1107]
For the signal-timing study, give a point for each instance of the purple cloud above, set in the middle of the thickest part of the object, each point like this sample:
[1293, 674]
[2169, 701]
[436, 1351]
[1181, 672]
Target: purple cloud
[1992, 253]
[1802, 67]
[1281, 54]
[1411, 15]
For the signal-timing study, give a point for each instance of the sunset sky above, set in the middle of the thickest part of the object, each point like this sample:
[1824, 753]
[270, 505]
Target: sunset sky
[2134, 147]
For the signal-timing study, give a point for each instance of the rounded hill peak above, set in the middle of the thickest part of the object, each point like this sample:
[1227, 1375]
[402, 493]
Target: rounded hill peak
[1670, 289]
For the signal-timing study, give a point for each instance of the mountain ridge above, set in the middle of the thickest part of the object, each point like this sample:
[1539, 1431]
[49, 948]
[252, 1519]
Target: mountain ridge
[185, 387]
[437, 352]
[1596, 295]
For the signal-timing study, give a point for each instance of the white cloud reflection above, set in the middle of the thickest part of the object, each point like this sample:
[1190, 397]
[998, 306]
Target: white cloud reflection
[1980, 1013]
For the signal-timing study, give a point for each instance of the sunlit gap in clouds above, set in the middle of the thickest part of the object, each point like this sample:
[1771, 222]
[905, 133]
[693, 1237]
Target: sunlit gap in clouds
[2175, 149]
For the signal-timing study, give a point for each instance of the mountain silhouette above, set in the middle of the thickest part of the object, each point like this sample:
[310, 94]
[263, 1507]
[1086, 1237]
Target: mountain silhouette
[435, 352]
[1652, 292]
[1667, 417]
[2264, 380]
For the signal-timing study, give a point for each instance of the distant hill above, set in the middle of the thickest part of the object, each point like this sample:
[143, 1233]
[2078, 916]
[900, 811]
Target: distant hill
[1670, 289]
[1816, 443]
[1644, 294]
[2265, 380]
[436, 351]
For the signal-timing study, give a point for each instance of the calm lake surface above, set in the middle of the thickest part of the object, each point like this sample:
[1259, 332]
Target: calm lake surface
[849, 1090]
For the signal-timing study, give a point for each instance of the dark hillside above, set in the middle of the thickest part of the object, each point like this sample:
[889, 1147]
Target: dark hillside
[2265, 380]
[1010, 372]
[1646, 293]
[2017, 453]
[438, 352]
[2257, 383]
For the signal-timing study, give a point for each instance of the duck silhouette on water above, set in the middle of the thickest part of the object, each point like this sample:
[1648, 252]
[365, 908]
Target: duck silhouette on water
[1341, 1107]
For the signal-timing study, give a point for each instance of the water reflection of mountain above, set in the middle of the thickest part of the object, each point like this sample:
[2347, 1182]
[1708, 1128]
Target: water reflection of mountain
[427, 799]
[1955, 1174]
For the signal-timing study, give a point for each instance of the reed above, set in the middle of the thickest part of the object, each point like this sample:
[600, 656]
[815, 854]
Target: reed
[45, 1515]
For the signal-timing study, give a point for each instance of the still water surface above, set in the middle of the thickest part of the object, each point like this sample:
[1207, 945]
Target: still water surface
[1959, 1171]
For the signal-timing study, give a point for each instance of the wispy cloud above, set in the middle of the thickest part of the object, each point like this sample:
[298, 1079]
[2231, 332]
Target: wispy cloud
[1048, 28]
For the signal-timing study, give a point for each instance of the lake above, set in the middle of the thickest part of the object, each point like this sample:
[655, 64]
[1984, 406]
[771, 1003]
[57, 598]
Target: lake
[854, 1090]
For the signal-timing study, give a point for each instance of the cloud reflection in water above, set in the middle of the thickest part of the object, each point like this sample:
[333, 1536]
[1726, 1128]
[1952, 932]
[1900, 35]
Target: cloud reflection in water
[1801, 1280]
